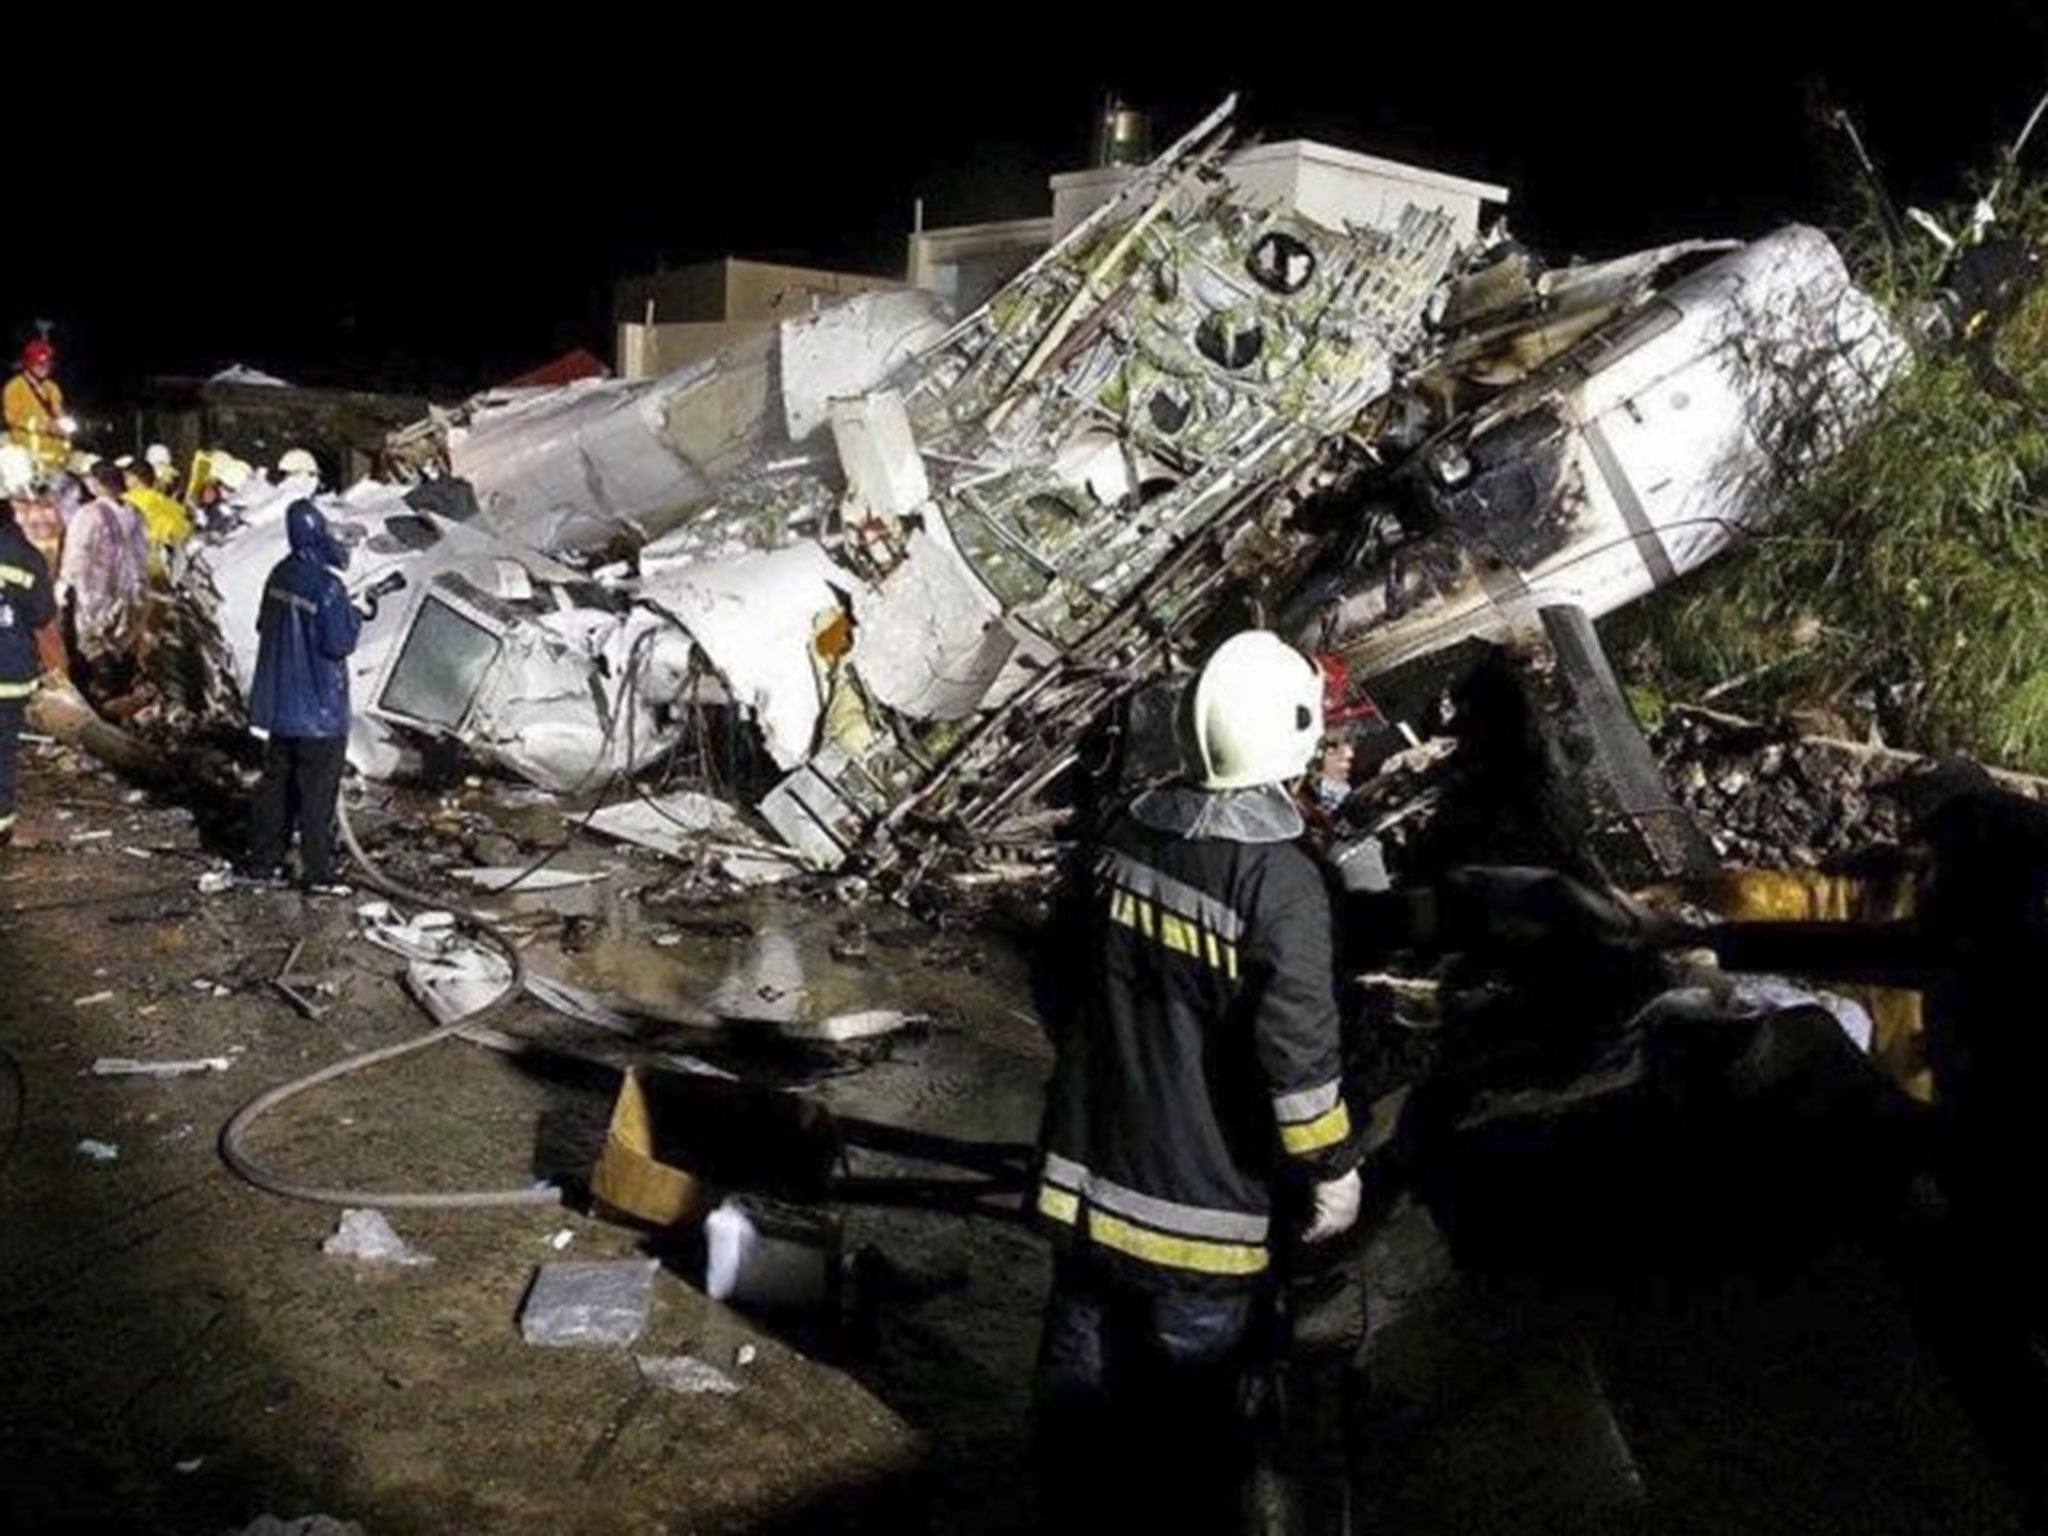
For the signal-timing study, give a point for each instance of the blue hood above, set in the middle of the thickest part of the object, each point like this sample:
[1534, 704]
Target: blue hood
[310, 537]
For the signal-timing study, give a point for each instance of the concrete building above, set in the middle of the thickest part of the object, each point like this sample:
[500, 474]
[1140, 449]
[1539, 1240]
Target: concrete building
[672, 317]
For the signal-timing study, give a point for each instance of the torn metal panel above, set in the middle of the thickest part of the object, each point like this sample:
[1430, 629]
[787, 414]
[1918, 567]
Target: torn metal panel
[673, 824]
[757, 619]
[885, 478]
[600, 460]
[1636, 458]
[846, 349]
[929, 639]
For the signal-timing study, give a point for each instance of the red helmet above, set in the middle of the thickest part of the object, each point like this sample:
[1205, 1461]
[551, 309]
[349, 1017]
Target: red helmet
[38, 354]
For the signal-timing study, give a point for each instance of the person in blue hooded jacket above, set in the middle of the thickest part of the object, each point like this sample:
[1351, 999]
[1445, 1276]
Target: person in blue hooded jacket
[306, 630]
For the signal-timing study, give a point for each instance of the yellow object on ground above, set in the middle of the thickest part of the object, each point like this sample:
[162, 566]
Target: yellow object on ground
[1899, 1045]
[630, 1180]
[680, 1142]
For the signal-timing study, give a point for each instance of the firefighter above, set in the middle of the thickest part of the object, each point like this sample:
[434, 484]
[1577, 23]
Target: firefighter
[307, 630]
[34, 403]
[1196, 1119]
[26, 611]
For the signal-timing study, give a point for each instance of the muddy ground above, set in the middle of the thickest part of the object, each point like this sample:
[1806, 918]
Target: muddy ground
[179, 1355]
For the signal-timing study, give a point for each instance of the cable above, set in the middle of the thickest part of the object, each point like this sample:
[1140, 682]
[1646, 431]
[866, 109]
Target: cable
[237, 1129]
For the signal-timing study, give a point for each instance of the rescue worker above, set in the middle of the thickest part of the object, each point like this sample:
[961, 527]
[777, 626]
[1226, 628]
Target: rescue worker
[164, 518]
[1196, 1108]
[34, 403]
[103, 574]
[36, 512]
[298, 464]
[299, 700]
[26, 611]
[162, 471]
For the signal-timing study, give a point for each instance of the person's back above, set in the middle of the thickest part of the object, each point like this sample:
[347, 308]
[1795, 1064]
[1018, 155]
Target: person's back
[99, 576]
[306, 632]
[299, 700]
[1198, 1076]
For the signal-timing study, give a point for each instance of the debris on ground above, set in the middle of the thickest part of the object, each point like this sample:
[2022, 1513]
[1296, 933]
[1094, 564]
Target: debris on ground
[760, 1253]
[685, 1375]
[98, 1151]
[366, 1235]
[304, 1525]
[588, 1303]
[123, 1066]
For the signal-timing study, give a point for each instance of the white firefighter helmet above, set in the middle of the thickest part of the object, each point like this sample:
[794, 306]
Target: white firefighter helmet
[229, 471]
[1258, 712]
[158, 457]
[17, 470]
[296, 461]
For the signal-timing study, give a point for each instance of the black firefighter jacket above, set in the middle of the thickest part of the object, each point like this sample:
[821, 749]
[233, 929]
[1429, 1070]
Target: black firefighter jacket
[25, 607]
[1196, 1028]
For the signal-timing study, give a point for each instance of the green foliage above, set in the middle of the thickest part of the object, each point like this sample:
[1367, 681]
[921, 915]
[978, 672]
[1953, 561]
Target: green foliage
[1905, 582]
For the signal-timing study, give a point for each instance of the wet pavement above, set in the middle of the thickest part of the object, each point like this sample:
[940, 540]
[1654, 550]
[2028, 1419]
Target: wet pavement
[179, 1355]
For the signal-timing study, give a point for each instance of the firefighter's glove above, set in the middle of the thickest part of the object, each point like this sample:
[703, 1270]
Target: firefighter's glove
[1336, 1207]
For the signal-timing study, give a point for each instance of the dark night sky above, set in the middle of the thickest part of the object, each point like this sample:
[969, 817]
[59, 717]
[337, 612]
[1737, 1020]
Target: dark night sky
[399, 212]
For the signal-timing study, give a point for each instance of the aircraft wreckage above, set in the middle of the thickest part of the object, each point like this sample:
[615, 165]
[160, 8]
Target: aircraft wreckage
[910, 565]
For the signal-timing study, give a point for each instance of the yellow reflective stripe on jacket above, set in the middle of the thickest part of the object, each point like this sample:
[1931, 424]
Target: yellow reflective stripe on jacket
[1196, 1254]
[16, 576]
[17, 690]
[1061, 1205]
[1182, 935]
[1326, 1130]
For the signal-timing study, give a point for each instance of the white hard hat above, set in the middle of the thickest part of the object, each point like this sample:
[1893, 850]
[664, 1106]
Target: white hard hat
[229, 471]
[17, 470]
[158, 456]
[296, 461]
[1258, 712]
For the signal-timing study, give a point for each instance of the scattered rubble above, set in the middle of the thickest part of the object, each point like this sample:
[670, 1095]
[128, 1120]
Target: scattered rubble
[685, 1375]
[593, 1303]
[123, 1066]
[366, 1235]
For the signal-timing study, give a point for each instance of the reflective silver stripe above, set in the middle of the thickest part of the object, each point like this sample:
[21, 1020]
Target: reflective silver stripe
[1176, 896]
[1293, 1108]
[16, 576]
[17, 690]
[1069, 1175]
[1166, 1215]
[279, 595]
